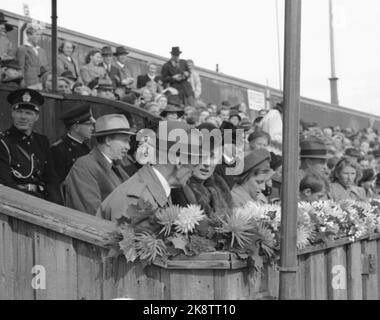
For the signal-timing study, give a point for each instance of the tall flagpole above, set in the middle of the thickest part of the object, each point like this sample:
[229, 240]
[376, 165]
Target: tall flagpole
[333, 79]
[54, 51]
[289, 202]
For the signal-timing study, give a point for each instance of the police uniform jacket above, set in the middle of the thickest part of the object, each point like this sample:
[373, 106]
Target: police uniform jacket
[27, 160]
[143, 185]
[65, 152]
[90, 181]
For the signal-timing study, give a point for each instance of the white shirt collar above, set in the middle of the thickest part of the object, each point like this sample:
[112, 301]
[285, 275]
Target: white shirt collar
[27, 43]
[120, 64]
[164, 182]
[107, 158]
[72, 138]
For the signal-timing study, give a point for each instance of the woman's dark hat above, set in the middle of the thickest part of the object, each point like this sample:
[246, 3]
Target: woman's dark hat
[26, 99]
[121, 50]
[172, 109]
[259, 158]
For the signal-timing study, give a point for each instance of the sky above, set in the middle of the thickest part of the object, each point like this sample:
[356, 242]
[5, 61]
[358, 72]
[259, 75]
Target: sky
[241, 37]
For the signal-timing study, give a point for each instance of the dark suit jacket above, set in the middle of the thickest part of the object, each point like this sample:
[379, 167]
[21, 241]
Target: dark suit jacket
[169, 70]
[114, 74]
[144, 79]
[32, 64]
[90, 181]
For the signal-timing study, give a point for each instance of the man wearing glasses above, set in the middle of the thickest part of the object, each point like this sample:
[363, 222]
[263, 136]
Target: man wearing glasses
[79, 123]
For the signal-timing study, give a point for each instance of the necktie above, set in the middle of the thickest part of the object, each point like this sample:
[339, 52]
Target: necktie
[117, 172]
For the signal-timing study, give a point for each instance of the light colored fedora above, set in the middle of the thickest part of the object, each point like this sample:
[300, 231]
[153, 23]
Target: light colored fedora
[112, 124]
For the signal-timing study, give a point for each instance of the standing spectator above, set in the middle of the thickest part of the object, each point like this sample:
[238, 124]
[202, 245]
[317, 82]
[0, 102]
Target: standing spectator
[223, 114]
[259, 140]
[175, 73]
[92, 71]
[312, 188]
[235, 118]
[32, 59]
[94, 176]
[112, 71]
[126, 76]
[151, 75]
[105, 89]
[367, 182]
[195, 80]
[314, 157]
[25, 159]
[66, 61]
[79, 124]
[6, 48]
[272, 124]
[212, 108]
[153, 108]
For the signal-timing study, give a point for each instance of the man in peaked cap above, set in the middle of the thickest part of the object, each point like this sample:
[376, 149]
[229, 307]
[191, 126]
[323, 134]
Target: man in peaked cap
[175, 73]
[25, 159]
[79, 123]
[153, 182]
[94, 176]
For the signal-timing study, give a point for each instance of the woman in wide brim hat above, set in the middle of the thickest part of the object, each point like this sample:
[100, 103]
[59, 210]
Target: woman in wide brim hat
[172, 112]
[251, 183]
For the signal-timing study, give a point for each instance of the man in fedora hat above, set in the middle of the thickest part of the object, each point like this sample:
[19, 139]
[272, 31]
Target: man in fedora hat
[175, 73]
[314, 156]
[25, 159]
[111, 71]
[6, 47]
[94, 176]
[105, 89]
[173, 110]
[79, 124]
[12, 75]
[154, 181]
[32, 58]
[126, 77]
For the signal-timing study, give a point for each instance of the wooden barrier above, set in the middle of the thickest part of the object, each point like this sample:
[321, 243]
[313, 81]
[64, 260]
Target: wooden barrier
[71, 246]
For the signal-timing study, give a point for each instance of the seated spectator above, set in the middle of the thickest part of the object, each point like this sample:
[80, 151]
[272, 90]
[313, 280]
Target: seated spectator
[314, 158]
[249, 185]
[94, 176]
[258, 140]
[153, 108]
[6, 47]
[146, 96]
[161, 100]
[93, 69]
[205, 187]
[105, 89]
[63, 84]
[223, 114]
[151, 75]
[364, 148]
[367, 182]
[190, 115]
[328, 132]
[69, 76]
[195, 80]
[204, 114]
[312, 188]
[126, 76]
[81, 89]
[212, 108]
[32, 58]
[235, 118]
[66, 62]
[112, 72]
[172, 113]
[213, 120]
[352, 154]
[345, 177]
[12, 74]
[79, 124]
[153, 87]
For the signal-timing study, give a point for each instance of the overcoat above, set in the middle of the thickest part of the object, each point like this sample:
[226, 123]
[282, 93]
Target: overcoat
[64, 64]
[142, 185]
[90, 181]
[338, 192]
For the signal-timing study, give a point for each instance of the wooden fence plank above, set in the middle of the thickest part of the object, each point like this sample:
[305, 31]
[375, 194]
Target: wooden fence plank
[301, 294]
[7, 264]
[24, 259]
[337, 274]
[318, 276]
[372, 284]
[231, 285]
[192, 285]
[89, 271]
[354, 275]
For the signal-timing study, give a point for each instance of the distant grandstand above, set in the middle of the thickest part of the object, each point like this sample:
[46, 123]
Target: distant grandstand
[217, 87]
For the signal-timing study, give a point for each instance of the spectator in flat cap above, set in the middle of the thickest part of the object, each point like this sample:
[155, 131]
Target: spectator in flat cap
[32, 59]
[25, 159]
[112, 71]
[171, 168]
[175, 73]
[6, 47]
[126, 76]
[251, 183]
[93, 69]
[79, 124]
[66, 61]
[94, 176]
[12, 74]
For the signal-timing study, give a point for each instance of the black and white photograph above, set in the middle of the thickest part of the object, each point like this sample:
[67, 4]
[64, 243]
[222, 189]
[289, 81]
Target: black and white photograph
[193, 153]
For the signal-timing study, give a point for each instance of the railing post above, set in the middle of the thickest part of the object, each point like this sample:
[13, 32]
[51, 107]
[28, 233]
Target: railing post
[54, 43]
[288, 264]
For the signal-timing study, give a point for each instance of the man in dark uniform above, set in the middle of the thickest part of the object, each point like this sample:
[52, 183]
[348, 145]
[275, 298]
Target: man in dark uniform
[79, 123]
[25, 159]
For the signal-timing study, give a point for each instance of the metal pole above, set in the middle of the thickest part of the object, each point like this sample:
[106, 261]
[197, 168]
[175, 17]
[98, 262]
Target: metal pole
[333, 79]
[278, 47]
[54, 43]
[288, 263]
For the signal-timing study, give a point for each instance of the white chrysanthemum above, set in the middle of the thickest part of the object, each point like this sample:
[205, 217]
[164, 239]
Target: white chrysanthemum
[304, 236]
[188, 218]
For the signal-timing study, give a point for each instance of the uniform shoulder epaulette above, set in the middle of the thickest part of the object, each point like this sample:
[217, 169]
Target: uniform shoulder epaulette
[57, 143]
